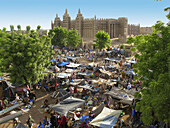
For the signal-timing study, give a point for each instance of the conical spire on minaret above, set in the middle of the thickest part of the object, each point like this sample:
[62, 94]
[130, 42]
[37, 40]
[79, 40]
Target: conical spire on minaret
[79, 11]
[66, 11]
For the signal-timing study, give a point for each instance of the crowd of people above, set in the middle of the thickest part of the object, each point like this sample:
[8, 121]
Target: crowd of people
[118, 72]
[123, 81]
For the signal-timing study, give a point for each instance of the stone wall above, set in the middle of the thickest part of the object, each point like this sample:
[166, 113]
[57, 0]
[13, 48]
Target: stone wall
[146, 30]
[133, 29]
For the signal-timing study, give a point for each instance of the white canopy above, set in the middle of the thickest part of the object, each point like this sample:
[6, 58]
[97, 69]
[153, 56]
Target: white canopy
[121, 94]
[107, 118]
[76, 82]
[109, 52]
[63, 75]
[130, 72]
[132, 61]
[69, 70]
[72, 65]
[94, 64]
[68, 104]
[113, 59]
[91, 64]
[90, 87]
[72, 57]
[10, 117]
[87, 86]
[95, 81]
[105, 72]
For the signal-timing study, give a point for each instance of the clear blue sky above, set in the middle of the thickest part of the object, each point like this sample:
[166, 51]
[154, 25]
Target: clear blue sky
[41, 12]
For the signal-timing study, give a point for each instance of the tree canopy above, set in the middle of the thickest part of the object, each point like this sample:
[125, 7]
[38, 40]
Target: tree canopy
[102, 40]
[24, 56]
[122, 46]
[153, 70]
[73, 38]
[59, 36]
[167, 10]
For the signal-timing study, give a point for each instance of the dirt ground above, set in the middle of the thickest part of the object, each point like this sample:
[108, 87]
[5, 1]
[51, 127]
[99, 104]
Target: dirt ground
[36, 111]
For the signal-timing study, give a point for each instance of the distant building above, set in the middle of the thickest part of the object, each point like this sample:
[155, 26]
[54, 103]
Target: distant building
[87, 28]
[118, 29]
[146, 30]
[133, 29]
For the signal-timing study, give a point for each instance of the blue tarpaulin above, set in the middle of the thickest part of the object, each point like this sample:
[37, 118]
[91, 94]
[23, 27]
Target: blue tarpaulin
[63, 64]
[84, 118]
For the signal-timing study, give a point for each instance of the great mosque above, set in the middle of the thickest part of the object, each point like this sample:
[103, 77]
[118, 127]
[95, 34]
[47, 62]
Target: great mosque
[117, 28]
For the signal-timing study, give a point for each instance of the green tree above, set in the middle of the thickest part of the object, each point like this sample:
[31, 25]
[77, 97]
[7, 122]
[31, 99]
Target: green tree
[73, 38]
[102, 40]
[24, 56]
[122, 46]
[167, 10]
[153, 70]
[19, 27]
[59, 36]
[38, 27]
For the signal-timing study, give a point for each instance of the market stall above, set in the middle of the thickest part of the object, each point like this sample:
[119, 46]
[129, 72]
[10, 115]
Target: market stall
[107, 118]
[68, 104]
